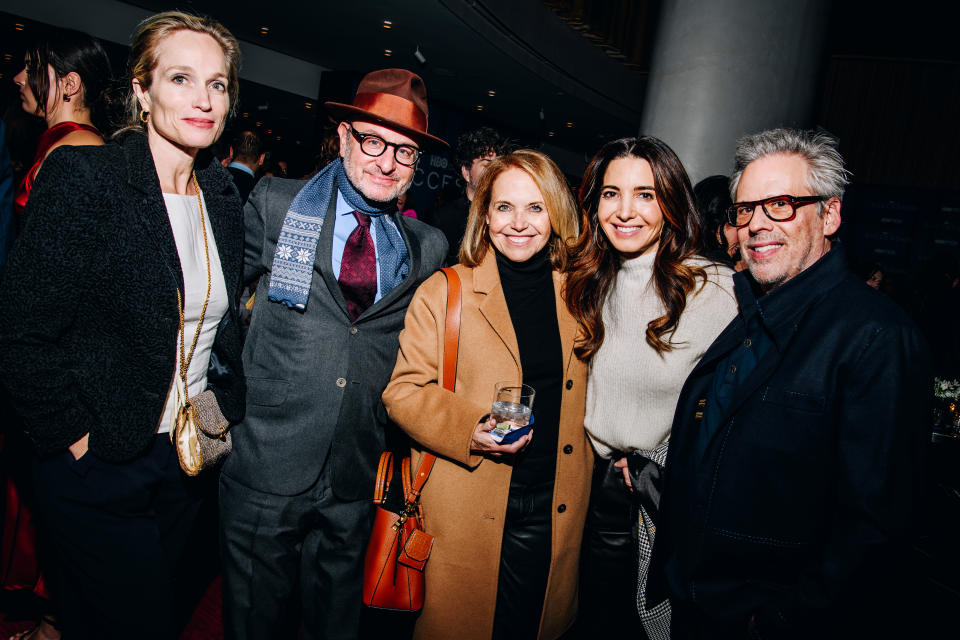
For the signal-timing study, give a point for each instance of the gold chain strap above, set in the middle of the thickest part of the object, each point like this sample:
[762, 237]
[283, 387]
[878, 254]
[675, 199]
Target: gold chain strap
[185, 360]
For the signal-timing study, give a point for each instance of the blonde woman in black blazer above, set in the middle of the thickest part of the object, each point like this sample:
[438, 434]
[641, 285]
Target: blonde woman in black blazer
[90, 329]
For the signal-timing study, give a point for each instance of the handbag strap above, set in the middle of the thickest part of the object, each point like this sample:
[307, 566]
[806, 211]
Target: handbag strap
[451, 334]
[405, 474]
[384, 473]
[451, 345]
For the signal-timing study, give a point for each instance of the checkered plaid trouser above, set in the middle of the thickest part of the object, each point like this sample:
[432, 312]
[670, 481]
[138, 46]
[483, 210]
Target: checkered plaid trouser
[656, 620]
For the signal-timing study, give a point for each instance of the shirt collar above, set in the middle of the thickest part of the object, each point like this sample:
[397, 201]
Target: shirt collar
[242, 167]
[343, 207]
[780, 310]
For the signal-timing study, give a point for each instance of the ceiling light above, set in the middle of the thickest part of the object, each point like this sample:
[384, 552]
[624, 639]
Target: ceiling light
[269, 131]
[388, 24]
[422, 59]
[491, 93]
[258, 123]
[388, 52]
[8, 56]
[479, 107]
[246, 115]
[308, 105]
[264, 30]
[569, 125]
[550, 134]
[17, 26]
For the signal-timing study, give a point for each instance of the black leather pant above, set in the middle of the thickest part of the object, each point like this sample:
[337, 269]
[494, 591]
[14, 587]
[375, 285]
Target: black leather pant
[608, 559]
[524, 562]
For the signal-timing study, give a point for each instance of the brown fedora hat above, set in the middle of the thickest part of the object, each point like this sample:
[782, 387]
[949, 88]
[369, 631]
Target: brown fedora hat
[393, 98]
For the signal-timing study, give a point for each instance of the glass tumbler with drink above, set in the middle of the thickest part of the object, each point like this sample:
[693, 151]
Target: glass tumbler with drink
[512, 411]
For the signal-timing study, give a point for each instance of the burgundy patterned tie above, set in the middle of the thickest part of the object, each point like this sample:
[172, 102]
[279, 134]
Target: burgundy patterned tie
[358, 269]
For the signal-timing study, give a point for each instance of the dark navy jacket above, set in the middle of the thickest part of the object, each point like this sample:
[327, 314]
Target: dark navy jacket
[799, 510]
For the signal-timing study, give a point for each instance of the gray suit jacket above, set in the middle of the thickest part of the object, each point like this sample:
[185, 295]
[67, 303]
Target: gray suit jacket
[314, 377]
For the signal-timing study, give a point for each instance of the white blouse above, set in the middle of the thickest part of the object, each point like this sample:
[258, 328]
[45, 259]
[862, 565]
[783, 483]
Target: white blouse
[188, 234]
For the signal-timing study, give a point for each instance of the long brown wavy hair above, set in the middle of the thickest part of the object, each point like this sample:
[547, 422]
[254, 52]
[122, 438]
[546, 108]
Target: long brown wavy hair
[593, 262]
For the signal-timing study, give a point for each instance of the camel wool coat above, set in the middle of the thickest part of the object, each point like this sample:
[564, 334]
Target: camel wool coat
[465, 499]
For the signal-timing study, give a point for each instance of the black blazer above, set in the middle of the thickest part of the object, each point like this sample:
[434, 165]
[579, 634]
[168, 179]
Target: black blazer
[88, 307]
[800, 510]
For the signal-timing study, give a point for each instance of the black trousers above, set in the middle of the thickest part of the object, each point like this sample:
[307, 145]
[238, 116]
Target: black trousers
[524, 562]
[292, 559]
[117, 531]
[608, 559]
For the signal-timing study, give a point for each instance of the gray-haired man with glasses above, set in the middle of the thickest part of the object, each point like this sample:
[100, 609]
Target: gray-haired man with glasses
[794, 456]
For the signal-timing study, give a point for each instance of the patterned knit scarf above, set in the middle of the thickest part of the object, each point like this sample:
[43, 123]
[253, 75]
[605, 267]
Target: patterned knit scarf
[297, 245]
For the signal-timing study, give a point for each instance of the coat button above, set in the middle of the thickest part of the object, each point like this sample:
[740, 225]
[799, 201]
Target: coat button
[569, 384]
[568, 449]
[341, 382]
[747, 343]
[733, 369]
[561, 508]
[353, 331]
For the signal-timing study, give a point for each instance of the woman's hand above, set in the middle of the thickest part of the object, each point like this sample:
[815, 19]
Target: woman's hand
[79, 448]
[622, 465]
[483, 442]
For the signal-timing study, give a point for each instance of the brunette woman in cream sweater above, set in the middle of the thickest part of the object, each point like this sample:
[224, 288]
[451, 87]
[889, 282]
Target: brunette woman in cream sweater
[648, 308]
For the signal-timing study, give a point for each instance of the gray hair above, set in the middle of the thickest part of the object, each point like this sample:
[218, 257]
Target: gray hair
[826, 175]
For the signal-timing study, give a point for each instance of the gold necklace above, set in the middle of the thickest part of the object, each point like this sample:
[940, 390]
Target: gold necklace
[185, 360]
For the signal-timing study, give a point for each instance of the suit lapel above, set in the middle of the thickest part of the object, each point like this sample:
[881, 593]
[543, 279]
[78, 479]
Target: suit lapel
[724, 343]
[493, 306]
[149, 205]
[323, 262]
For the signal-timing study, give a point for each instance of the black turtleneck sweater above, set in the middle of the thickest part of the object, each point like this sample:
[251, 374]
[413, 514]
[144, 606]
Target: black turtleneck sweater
[528, 289]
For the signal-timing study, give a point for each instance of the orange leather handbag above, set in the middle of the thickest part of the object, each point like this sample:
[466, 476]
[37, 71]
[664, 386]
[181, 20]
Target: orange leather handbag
[399, 547]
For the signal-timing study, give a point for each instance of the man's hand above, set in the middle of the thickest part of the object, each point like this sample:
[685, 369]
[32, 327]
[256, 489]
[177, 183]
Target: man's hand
[79, 448]
[622, 465]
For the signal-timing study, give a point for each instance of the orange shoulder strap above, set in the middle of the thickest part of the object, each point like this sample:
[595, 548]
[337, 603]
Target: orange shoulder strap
[451, 345]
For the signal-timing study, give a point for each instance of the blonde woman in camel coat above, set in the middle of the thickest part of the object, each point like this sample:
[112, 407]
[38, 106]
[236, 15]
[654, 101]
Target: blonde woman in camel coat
[487, 579]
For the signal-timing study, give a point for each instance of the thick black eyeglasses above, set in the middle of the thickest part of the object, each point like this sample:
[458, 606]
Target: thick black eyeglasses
[777, 208]
[373, 145]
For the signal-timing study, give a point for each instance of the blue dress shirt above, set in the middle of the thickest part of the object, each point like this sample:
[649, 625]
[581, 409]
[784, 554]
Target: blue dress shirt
[344, 226]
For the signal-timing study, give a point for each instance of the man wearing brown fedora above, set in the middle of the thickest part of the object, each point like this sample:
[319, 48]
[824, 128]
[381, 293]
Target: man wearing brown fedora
[337, 269]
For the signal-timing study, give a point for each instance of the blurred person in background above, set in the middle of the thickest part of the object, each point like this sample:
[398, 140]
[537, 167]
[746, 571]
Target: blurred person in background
[720, 241]
[8, 231]
[475, 150]
[64, 81]
[124, 282]
[247, 155]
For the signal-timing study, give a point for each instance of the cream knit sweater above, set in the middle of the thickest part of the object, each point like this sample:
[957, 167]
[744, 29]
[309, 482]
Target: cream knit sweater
[632, 391]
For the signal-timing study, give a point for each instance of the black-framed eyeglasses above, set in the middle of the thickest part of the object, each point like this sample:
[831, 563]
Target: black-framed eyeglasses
[778, 208]
[373, 145]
